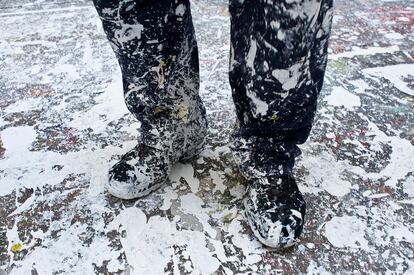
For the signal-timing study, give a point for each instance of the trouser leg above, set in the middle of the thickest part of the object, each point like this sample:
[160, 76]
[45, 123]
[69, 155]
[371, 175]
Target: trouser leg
[278, 60]
[155, 45]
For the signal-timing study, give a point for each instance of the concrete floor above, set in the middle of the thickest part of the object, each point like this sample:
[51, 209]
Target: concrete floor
[63, 123]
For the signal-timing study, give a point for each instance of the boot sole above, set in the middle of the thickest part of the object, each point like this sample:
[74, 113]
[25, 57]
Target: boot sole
[133, 194]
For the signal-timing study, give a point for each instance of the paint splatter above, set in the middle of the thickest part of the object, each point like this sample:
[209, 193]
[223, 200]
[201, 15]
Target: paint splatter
[63, 123]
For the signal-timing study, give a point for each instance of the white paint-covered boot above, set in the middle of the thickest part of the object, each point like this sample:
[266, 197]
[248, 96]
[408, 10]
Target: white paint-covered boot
[275, 210]
[146, 167]
[140, 171]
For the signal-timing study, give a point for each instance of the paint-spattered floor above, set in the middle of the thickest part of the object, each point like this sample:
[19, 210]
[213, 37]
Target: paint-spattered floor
[63, 123]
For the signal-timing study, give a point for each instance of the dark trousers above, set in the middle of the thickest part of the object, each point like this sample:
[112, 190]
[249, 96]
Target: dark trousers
[278, 59]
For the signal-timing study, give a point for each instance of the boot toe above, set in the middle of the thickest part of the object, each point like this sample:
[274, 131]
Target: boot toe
[275, 232]
[276, 221]
[123, 181]
[130, 179]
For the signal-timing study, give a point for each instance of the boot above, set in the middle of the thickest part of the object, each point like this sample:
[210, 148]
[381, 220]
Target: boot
[155, 45]
[275, 210]
[274, 206]
[146, 167]
[277, 64]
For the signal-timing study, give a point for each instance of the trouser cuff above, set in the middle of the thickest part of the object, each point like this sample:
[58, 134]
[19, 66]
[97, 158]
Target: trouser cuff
[261, 156]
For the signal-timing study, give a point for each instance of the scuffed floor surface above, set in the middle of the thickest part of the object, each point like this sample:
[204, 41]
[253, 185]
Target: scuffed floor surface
[63, 123]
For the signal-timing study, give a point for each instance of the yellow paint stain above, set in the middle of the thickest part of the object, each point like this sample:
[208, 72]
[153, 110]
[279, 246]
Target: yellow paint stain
[158, 110]
[164, 64]
[17, 247]
[275, 117]
[162, 72]
[182, 113]
[228, 218]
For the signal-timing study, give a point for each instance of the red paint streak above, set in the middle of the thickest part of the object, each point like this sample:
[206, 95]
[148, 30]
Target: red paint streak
[71, 136]
[390, 15]
[365, 144]
[72, 140]
[351, 135]
[2, 149]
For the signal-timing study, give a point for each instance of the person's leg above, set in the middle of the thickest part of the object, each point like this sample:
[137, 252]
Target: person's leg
[155, 45]
[278, 60]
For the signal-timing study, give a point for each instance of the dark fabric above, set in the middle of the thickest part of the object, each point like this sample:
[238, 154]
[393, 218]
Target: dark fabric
[155, 45]
[277, 65]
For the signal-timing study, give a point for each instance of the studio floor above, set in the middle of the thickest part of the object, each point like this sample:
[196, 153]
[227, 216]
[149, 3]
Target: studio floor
[63, 123]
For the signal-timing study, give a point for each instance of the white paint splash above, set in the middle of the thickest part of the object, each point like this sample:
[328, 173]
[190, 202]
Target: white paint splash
[315, 268]
[16, 141]
[408, 186]
[401, 159]
[360, 86]
[168, 196]
[149, 244]
[180, 10]
[110, 107]
[251, 55]
[394, 74]
[394, 36]
[24, 168]
[128, 32]
[218, 180]
[27, 104]
[356, 51]
[193, 205]
[342, 97]
[260, 107]
[321, 178]
[187, 172]
[288, 77]
[65, 254]
[346, 231]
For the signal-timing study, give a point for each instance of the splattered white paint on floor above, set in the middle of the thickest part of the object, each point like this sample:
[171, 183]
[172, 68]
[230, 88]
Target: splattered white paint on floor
[63, 123]
[343, 98]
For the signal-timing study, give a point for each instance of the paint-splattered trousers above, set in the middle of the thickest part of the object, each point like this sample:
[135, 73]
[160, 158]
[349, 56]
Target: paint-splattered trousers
[277, 64]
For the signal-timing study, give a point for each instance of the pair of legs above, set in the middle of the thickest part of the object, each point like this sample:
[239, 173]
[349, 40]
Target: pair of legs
[278, 59]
